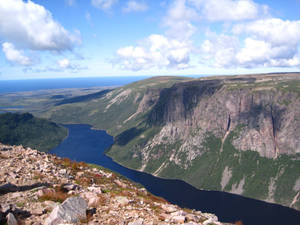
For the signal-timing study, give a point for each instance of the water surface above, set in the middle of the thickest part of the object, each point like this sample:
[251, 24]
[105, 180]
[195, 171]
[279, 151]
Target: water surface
[85, 144]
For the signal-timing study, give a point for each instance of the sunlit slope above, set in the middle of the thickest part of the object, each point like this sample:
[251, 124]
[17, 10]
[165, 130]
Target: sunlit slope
[118, 110]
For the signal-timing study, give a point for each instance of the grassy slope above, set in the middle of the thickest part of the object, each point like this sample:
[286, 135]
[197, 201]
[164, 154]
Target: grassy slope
[26, 130]
[113, 118]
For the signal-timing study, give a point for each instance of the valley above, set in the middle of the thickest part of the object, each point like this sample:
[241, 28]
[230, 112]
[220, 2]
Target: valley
[238, 134]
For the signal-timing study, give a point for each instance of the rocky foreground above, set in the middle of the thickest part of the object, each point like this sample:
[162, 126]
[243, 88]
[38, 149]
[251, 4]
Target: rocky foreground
[39, 188]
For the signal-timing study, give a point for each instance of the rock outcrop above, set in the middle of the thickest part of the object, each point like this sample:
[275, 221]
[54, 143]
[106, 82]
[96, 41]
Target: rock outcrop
[39, 188]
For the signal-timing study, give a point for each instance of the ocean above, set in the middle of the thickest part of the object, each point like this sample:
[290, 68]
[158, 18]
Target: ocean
[8, 86]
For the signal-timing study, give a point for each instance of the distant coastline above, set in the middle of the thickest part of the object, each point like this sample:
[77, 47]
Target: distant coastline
[10, 86]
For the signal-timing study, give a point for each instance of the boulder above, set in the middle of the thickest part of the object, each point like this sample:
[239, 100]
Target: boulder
[178, 219]
[92, 198]
[11, 220]
[191, 223]
[120, 184]
[122, 200]
[139, 221]
[169, 208]
[72, 210]
[45, 191]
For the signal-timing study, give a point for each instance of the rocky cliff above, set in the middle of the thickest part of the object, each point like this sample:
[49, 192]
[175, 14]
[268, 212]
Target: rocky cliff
[38, 188]
[239, 134]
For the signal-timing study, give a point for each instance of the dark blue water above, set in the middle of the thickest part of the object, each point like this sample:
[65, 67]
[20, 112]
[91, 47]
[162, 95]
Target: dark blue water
[84, 144]
[41, 84]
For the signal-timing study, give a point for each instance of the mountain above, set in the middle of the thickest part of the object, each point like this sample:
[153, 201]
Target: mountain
[239, 134]
[39, 188]
[29, 131]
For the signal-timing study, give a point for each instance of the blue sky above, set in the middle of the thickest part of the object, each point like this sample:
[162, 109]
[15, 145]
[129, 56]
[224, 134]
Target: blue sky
[87, 38]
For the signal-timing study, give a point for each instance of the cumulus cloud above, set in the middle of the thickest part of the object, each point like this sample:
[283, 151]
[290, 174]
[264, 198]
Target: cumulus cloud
[15, 56]
[273, 30]
[156, 51]
[252, 38]
[269, 43]
[178, 20]
[30, 25]
[103, 4]
[220, 51]
[134, 6]
[229, 10]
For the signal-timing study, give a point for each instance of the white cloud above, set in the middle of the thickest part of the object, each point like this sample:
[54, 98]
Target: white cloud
[134, 6]
[30, 25]
[64, 63]
[269, 43]
[220, 51]
[273, 30]
[251, 39]
[178, 20]
[15, 56]
[229, 10]
[156, 51]
[103, 4]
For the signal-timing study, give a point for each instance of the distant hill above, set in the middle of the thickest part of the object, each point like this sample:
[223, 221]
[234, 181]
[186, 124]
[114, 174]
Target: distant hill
[83, 98]
[29, 131]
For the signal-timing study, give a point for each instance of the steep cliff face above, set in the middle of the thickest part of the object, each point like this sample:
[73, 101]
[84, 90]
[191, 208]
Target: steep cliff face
[237, 135]
[269, 119]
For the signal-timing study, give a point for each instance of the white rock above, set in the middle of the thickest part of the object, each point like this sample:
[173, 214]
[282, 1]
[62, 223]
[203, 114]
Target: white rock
[122, 200]
[169, 208]
[178, 219]
[11, 220]
[210, 220]
[139, 221]
[71, 210]
[92, 198]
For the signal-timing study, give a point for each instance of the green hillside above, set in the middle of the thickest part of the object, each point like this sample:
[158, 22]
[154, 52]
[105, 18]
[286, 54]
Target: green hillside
[29, 131]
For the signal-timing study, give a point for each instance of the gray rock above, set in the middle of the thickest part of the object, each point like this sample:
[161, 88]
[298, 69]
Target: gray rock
[5, 208]
[178, 219]
[11, 220]
[71, 210]
[139, 221]
[122, 200]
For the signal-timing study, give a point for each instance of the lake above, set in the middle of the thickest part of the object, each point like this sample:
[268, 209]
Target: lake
[88, 145]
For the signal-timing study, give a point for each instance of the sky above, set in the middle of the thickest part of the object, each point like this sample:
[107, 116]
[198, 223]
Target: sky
[94, 38]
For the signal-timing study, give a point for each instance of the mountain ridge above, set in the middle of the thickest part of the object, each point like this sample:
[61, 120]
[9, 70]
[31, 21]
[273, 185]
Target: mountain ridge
[238, 134]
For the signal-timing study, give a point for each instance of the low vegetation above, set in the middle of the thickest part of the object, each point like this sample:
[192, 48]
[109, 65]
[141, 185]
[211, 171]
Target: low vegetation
[29, 131]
